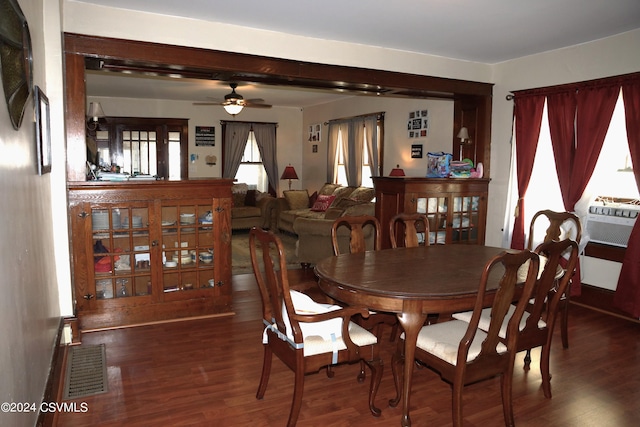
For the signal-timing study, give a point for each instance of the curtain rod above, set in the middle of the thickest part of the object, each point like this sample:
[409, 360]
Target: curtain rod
[379, 115]
[548, 90]
[222, 122]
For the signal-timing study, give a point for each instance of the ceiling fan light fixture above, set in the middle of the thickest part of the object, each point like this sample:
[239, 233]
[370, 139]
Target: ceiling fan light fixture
[233, 109]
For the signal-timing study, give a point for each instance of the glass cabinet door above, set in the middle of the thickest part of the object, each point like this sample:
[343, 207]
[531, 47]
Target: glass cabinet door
[465, 216]
[121, 258]
[187, 250]
[436, 210]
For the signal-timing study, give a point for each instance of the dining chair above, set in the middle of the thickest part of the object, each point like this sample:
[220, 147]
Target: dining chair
[461, 352]
[358, 227]
[306, 336]
[560, 226]
[538, 320]
[412, 226]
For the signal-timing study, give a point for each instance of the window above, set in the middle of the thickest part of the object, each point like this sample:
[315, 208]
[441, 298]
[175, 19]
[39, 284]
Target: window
[340, 172]
[612, 178]
[139, 145]
[251, 170]
[341, 179]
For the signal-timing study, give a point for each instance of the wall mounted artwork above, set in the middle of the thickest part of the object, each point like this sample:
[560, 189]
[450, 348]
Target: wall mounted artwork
[418, 124]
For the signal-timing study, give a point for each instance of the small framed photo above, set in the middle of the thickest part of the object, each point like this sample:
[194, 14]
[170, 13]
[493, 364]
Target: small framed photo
[314, 133]
[43, 131]
[416, 151]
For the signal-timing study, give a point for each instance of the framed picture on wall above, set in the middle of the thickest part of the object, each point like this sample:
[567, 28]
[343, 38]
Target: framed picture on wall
[43, 131]
[418, 124]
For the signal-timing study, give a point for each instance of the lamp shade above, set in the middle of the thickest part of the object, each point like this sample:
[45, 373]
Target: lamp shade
[289, 173]
[463, 134]
[396, 171]
[95, 111]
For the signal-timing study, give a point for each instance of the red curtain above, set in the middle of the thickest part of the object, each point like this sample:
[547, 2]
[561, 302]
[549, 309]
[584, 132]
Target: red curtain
[594, 110]
[528, 116]
[627, 296]
[576, 152]
[562, 113]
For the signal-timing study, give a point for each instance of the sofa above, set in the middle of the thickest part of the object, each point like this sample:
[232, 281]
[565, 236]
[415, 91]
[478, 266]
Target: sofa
[310, 217]
[251, 208]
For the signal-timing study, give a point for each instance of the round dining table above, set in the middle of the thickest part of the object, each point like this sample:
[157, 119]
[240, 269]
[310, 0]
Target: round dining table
[411, 282]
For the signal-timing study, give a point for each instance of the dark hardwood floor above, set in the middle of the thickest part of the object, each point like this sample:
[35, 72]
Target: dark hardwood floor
[205, 372]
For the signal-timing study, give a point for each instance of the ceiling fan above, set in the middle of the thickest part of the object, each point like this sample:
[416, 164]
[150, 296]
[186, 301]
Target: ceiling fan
[234, 102]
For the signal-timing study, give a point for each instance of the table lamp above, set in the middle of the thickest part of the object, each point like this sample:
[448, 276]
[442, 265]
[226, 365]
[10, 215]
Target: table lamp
[289, 173]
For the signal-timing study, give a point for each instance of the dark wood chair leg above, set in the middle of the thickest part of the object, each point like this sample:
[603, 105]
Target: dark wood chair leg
[266, 371]
[298, 388]
[564, 320]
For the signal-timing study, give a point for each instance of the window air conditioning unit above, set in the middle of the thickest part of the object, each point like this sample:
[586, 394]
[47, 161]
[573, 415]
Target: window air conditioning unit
[612, 224]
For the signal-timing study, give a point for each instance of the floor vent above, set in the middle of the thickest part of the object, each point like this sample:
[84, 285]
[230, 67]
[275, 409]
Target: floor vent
[86, 372]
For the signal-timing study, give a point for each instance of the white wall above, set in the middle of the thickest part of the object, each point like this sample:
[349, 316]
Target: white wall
[29, 303]
[288, 133]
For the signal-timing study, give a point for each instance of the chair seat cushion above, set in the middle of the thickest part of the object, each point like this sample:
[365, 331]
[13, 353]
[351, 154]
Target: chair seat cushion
[325, 336]
[315, 344]
[443, 340]
[485, 320]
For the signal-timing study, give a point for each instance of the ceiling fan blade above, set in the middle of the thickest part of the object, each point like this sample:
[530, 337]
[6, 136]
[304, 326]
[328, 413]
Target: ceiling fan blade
[256, 105]
[206, 103]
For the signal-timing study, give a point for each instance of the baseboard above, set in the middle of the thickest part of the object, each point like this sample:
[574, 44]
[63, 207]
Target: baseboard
[601, 300]
[53, 386]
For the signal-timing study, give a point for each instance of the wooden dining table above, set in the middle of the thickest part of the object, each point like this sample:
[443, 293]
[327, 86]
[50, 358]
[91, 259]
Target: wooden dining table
[411, 282]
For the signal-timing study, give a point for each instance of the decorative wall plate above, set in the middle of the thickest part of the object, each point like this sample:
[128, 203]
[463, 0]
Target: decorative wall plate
[16, 59]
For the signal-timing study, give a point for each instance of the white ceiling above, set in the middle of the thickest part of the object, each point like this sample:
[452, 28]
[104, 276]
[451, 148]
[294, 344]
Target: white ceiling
[487, 31]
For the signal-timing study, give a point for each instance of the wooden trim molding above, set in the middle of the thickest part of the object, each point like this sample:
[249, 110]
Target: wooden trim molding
[118, 55]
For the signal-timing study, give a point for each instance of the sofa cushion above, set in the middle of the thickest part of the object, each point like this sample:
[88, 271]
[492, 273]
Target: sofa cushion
[322, 203]
[333, 213]
[245, 212]
[297, 199]
[328, 188]
[363, 194]
[308, 213]
[342, 193]
[360, 209]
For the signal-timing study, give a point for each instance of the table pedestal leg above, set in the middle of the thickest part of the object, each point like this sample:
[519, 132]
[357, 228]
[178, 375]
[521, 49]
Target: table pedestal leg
[411, 320]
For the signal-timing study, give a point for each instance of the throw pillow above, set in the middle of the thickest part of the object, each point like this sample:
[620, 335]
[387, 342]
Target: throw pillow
[328, 189]
[313, 198]
[341, 193]
[296, 199]
[238, 194]
[363, 194]
[322, 203]
[250, 200]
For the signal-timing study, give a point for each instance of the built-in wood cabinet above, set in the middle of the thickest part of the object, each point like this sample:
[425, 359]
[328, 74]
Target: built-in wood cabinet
[456, 208]
[150, 251]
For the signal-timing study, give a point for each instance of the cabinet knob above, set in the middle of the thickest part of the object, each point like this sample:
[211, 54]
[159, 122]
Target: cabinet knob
[219, 283]
[83, 214]
[88, 297]
[219, 209]
[154, 243]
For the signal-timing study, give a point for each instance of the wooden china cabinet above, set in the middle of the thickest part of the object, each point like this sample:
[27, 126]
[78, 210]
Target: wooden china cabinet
[150, 251]
[456, 208]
